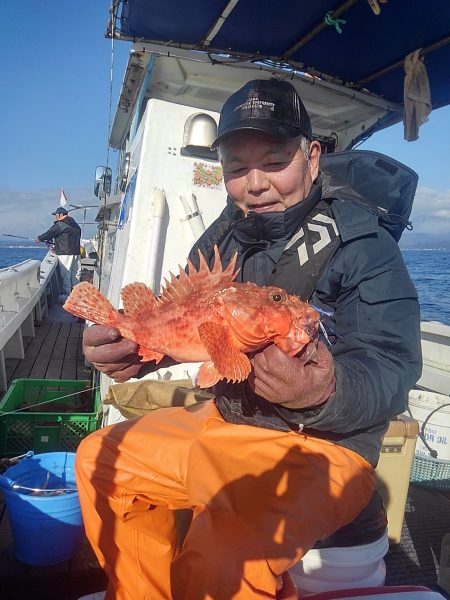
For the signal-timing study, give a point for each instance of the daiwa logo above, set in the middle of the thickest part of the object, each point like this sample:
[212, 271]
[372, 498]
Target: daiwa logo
[320, 224]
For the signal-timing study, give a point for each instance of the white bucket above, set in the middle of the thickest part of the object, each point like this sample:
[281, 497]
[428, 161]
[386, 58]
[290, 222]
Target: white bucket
[327, 569]
[437, 427]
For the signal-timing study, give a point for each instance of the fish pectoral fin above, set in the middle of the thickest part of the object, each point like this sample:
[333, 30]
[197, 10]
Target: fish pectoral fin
[230, 362]
[147, 355]
[207, 375]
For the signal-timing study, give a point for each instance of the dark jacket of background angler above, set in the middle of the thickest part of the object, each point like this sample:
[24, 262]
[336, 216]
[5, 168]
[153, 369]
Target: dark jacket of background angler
[66, 235]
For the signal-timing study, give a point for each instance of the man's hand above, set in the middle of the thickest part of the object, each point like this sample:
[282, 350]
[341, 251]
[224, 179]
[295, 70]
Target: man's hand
[292, 382]
[110, 353]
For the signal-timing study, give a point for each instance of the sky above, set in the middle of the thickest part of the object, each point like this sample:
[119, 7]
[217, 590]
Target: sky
[54, 112]
[54, 108]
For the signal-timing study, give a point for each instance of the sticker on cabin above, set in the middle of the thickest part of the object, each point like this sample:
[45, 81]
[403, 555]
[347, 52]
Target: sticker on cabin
[206, 176]
[127, 203]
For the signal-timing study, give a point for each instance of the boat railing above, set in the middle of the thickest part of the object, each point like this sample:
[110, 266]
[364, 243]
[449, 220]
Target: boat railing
[26, 290]
[435, 338]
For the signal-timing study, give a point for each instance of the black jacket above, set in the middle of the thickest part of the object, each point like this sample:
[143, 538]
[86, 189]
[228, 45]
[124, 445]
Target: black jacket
[375, 338]
[66, 235]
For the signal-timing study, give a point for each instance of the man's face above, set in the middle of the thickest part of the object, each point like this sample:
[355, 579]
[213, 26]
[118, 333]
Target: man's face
[264, 174]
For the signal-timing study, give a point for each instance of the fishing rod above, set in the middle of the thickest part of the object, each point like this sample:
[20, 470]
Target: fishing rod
[15, 236]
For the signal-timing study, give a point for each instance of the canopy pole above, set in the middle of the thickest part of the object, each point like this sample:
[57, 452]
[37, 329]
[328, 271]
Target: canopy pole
[436, 46]
[217, 26]
[111, 29]
[318, 28]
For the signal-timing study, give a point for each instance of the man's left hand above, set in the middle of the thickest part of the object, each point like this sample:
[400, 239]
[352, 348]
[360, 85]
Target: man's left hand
[292, 382]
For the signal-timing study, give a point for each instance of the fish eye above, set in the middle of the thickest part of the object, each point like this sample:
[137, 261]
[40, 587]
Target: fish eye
[276, 297]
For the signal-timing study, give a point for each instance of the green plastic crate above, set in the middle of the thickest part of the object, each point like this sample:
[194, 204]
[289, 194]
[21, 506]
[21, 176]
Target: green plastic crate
[72, 414]
[431, 472]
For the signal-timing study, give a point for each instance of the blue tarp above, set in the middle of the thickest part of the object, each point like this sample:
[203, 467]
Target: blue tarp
[269, 29]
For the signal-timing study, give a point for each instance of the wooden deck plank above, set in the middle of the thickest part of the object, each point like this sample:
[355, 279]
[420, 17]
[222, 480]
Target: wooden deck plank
[69, 369]
[54, 353]
[71, 349]
[23, 369]
[76, 329]
[64, 331]
[39, 368]
[50, 340]
[42, 329]
[27, 341]
[33, 348]
[17, 369]
[11, 365]
[54, 369]
[59, 349]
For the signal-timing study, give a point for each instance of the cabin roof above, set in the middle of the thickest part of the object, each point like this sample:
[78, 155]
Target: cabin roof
[357, 48]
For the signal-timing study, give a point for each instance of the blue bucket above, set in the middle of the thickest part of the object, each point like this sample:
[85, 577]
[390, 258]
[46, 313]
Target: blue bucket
[43, 508]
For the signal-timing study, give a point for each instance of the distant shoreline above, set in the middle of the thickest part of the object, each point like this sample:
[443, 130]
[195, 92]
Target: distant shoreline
[415, 248]
[11, 245]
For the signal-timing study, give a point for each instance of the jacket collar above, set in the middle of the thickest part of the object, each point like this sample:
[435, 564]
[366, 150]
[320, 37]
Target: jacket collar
[352, 220]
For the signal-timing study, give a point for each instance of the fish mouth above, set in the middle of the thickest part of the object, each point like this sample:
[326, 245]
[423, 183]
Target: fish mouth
[312, 329]
[309, 325]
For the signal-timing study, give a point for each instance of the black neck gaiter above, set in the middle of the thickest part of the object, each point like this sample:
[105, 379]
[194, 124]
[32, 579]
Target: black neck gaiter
[261, 237]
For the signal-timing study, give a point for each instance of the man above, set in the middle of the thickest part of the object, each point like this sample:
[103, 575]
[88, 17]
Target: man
[66, 234]
[287, 458]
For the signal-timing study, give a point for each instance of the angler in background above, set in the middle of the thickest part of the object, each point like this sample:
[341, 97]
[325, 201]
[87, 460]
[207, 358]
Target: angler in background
[285, 459]
[66, 235]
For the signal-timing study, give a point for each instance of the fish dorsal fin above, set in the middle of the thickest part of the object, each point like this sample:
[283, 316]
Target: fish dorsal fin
[184, 284]
[137, 298]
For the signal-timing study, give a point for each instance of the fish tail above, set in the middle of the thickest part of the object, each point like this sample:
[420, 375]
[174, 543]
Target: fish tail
[87, 302]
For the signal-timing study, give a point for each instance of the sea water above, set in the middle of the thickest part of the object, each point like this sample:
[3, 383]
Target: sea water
[429, 269]
[13, 255]
[430, 272]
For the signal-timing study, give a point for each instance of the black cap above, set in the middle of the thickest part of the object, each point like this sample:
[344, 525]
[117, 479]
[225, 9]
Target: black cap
[60, 211]
[267, 105]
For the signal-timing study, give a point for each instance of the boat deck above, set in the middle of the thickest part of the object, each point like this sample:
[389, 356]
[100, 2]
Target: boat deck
[55, 353]
[415, 561]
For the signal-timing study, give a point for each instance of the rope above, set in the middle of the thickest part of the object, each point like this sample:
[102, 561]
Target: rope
[330, 20]
[12, 412]
[433, 453]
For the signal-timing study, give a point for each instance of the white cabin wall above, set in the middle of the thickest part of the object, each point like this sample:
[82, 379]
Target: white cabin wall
[158, 164]
[162, 167]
